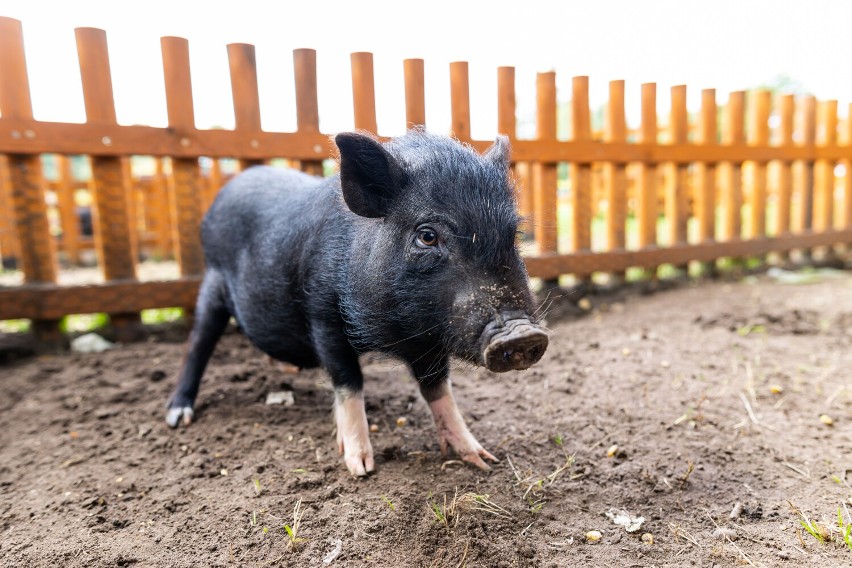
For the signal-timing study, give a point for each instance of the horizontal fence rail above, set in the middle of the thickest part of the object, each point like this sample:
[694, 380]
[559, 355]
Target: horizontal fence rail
[762, 173]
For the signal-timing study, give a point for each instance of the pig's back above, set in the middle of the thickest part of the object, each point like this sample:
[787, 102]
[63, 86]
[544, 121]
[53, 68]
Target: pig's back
[261, 234]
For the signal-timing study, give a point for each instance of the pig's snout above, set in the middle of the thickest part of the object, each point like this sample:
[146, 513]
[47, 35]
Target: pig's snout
[514, 344]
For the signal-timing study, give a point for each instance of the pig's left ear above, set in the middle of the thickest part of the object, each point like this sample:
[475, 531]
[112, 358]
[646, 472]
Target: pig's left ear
[499, 151]
[370, 176]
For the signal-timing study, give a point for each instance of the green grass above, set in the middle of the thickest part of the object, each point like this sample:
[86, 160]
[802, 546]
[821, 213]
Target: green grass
[15, 326]
[161, 315]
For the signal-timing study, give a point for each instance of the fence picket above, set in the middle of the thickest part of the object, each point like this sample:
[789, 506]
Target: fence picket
[646, 199]
[581, 172]
[184, 179]
[363, 92]
[615, 179]
[307, 105]
[460, 100]
[113, 239]
[415, 93]
[732, 191]
[544, 173]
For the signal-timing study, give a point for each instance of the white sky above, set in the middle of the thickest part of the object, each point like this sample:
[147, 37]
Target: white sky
[726, 44]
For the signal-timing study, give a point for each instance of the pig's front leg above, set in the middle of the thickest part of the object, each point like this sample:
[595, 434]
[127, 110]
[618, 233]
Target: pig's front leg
[353, 434]
[350, 416]
[452, 430]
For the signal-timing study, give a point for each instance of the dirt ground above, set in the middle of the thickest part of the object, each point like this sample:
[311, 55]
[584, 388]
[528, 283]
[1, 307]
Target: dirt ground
[702, 409]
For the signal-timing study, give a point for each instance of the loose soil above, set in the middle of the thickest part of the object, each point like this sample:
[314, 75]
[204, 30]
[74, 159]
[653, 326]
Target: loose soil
[698, 408]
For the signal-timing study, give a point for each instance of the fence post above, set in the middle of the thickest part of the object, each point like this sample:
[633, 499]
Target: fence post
[581, 173]
[184, 179]
[460, 100]
[677, 207]
[415, 93]
[67, 205]
[806, 211]
[846, 211]
[785, 177]
[112, 226]
[732, 190]
[705, 178]
[307, 107]
[646, 199]
[507, 124]
[615, 179]
[363, 92]
[243, 68]
[759, 133]
[10, 251]
[38, 249]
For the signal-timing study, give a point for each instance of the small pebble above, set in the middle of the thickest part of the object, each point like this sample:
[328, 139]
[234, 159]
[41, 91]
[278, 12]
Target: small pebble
[826, 419]
[401, 421]
[648, 538]
[593, 536]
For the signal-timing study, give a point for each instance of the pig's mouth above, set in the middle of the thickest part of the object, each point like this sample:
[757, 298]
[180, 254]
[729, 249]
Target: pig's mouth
[512, 344]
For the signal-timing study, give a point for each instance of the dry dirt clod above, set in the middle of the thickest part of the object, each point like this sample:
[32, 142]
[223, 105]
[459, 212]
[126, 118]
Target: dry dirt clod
[736, 511]
[723, 532]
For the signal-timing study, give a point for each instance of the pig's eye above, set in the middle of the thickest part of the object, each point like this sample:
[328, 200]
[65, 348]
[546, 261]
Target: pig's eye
[426, 238]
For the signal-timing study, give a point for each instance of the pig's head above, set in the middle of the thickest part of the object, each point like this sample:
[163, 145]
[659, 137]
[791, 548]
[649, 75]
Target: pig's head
[434, 269]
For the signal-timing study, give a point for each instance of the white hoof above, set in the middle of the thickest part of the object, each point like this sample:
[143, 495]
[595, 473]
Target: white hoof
[178, 414]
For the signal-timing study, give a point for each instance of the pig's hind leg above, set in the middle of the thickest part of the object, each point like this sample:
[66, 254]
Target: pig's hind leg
[211, 319]
[452, 430]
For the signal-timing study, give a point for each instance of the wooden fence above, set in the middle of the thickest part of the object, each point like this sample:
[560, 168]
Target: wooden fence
[707, 188]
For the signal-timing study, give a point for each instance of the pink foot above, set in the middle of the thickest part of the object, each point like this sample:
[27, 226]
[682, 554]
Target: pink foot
[453, 432]
[353, 434]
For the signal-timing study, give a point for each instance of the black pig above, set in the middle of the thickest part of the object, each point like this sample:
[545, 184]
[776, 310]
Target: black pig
[410, 251]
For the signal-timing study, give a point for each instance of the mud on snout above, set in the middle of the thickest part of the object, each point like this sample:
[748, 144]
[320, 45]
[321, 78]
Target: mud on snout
[512, 344]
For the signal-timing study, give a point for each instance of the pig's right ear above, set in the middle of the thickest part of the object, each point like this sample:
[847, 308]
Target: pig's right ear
[370, 177]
